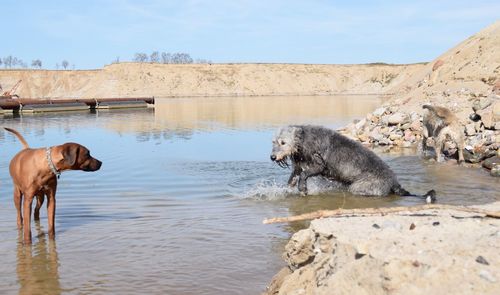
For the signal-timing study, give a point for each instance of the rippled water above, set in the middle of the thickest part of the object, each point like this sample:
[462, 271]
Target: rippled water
[177, 207]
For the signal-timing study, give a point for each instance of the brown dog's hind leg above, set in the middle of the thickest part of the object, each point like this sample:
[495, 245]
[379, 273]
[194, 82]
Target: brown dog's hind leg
[39, 202]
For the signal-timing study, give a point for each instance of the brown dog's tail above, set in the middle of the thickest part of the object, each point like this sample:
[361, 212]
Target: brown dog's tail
[19, 136]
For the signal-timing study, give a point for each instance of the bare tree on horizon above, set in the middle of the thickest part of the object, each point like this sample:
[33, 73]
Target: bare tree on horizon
[7, 61]
[140, 57]
[166, 58]
[36, 63]
[65, 64]
[154, 57]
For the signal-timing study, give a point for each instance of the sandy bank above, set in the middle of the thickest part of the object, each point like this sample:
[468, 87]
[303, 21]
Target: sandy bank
[429, 252]
[170, 80]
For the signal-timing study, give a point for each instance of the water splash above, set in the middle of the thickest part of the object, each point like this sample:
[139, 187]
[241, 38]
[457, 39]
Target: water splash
[272, 190]
[269, 190]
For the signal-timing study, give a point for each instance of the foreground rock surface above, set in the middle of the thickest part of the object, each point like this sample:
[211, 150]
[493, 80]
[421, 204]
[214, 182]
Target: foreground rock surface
[434, 252]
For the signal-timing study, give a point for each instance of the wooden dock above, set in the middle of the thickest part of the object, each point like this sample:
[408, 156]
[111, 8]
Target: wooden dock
[31, 105]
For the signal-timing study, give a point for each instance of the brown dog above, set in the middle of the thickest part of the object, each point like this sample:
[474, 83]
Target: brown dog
[440, 123]
[35, 172]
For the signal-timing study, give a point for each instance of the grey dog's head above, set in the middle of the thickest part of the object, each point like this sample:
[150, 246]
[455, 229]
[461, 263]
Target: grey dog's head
[285, 144]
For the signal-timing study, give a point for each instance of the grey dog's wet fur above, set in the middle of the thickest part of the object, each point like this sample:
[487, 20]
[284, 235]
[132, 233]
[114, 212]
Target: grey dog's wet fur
[315, 150]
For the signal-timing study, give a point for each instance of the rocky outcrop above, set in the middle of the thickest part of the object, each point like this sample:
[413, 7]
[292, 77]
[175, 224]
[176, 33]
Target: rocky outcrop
[434, 252]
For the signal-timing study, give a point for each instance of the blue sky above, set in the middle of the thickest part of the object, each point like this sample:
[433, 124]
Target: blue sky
[92, 33]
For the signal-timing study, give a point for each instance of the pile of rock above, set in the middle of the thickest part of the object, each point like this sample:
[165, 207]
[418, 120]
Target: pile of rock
[393, 127]
[386, 126]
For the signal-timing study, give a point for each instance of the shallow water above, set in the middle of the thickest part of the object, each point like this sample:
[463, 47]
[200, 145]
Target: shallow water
[177, 207]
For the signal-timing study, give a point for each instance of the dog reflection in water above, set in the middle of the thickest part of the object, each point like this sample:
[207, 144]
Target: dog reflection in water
[38, 265]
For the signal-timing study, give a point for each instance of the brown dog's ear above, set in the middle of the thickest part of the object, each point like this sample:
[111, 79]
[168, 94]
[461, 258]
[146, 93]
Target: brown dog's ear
[70, 154]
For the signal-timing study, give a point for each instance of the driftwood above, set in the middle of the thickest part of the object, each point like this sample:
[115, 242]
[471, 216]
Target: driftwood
[379, 211]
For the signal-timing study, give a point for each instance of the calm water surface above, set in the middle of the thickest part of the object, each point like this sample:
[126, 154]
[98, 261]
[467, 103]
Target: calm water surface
[177, 207]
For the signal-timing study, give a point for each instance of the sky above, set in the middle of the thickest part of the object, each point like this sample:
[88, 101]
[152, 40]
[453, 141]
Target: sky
[90, 34]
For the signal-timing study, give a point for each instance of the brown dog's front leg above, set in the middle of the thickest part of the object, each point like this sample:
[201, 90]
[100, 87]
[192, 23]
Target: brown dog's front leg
[51, 212]
[28, 200]
[18, 197]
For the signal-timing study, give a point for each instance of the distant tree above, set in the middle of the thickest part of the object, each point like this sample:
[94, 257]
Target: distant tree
[116, 61]
[140, 57]
[36, 63]
[154, 57]
[65, 64]
[15, 62]
[57, 66]
[166, 58]
[1, 62]
[7, 61]
[181, 58]
[22, 64]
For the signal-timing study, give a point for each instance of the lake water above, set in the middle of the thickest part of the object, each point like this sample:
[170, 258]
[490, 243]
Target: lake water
[178, 204]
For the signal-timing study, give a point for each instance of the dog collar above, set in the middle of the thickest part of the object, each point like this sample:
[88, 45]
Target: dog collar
[51, 164]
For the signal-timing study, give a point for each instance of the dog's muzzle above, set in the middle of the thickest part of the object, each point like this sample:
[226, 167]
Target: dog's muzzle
[273, 158]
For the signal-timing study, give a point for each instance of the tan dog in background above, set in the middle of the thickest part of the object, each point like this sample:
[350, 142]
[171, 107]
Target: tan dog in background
[35, 172]
[440, 123]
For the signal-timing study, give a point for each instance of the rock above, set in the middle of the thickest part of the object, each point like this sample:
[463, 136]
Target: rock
[480, 259]
[299, 250]
[490, 162]
[379, 112]
[478, 126]
[497, 125]
[496, 87]
[474, 117]
[470, 129]
[477, 156]
[496, 111]
[487, 118]
[360, 124]
[398, 118]
[408, 135]
[405, 126]
[385, 141]
[484, 274]
[416, 125]
[495, 171]
[379, 255]
[481, 104]
[393, 109]
[375, 135]
[363, 137]
[385, 131]
[406, 144]
[395, 136]
[437, 64]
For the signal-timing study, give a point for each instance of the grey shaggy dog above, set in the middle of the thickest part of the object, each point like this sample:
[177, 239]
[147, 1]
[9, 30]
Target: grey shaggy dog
[319, 151]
